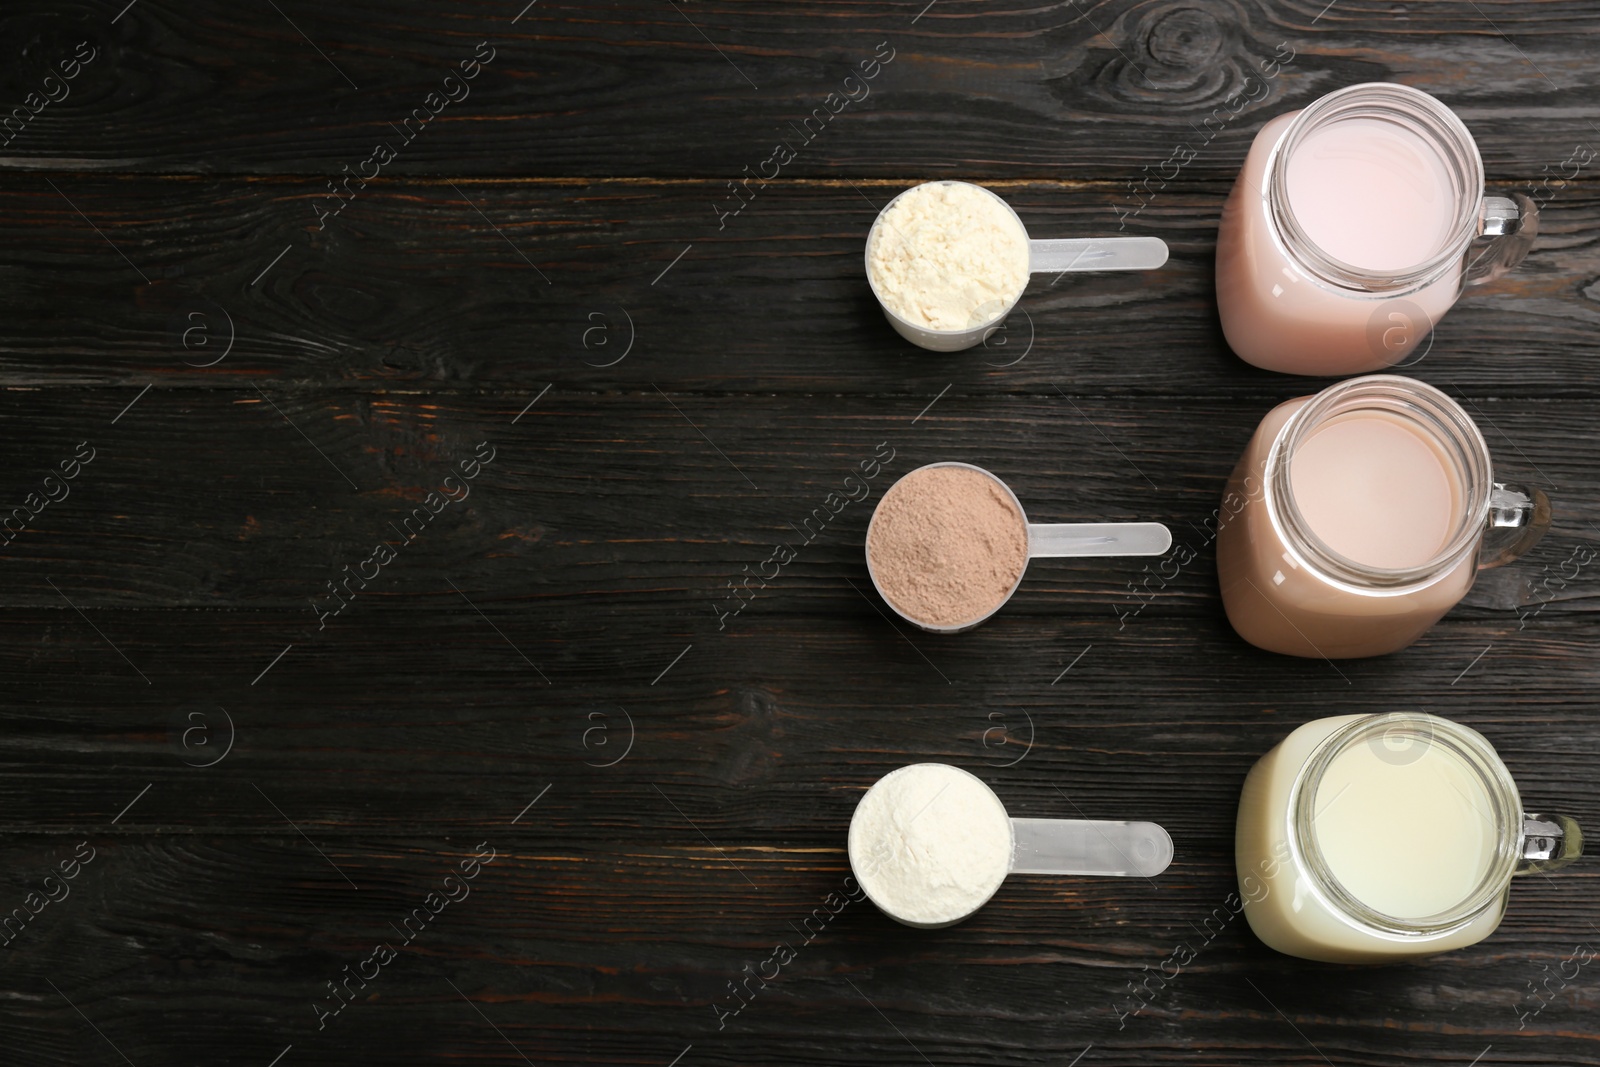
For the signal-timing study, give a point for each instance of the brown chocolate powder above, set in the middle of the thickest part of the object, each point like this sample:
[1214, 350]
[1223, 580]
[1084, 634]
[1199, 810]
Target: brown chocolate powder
[947, 545]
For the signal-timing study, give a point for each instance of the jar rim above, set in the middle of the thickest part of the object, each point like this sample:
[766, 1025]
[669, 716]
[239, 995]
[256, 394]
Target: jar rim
[1468, 746]
[1427, 409]
[1419, 111]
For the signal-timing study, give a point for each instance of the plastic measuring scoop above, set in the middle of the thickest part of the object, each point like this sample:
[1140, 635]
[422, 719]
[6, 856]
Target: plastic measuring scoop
[1044, 257]
[930, 866]
[1052, 539]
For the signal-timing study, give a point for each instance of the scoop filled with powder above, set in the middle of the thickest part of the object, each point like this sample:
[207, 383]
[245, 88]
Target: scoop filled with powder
[948, 543]
[931, 843]
[948, 261]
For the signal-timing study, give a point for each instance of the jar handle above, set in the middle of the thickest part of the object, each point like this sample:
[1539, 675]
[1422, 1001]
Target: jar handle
[1518, 516]
[1549, 842]
[1510, 225]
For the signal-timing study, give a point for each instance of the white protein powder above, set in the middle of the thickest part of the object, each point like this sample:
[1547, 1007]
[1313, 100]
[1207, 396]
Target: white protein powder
[948, 256]
[930, 844]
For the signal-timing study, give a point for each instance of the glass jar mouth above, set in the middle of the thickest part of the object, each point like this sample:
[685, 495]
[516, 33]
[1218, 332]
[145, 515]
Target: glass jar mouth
[1464, 744]
[1415, 111]
[1423, 407]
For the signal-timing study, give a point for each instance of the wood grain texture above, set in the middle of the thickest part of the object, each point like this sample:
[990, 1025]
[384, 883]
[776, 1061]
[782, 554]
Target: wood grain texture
[643, 88]
[1037, 974]
[603, 504]
[429, 286]
[552, 667]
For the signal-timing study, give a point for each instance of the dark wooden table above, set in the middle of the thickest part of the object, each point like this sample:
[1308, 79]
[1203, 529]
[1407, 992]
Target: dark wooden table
[260, 743]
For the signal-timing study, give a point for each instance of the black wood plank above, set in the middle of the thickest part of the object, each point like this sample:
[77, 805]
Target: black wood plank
[439, 286]
[617, 955]
[763, 734]
[645, 88]
[640, 501]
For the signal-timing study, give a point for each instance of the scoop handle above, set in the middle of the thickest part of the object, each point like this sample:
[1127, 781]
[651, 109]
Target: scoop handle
[1096, 253]
[1087, 846]
[1055, 539]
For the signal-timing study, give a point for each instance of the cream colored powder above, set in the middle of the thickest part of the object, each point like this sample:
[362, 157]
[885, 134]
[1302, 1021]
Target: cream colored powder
[930, 844]
[948, 256]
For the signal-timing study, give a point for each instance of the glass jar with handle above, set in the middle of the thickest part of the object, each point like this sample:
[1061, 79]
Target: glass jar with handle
[1353, 227]
[1368, 838]
[1357, 517]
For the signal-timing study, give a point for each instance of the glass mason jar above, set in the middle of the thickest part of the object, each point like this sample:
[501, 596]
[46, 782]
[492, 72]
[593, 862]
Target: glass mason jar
[1286, 590]
[1366, 838]
[1287, 304]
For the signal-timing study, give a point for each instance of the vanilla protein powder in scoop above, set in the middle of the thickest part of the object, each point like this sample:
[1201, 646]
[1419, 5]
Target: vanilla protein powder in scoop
[948, 256]
[946, 545]
[930, 844]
